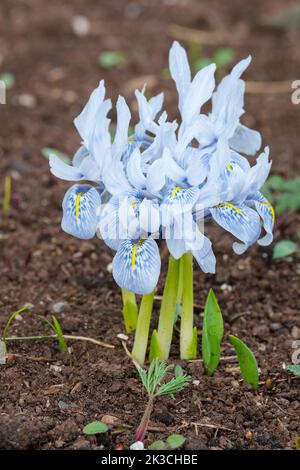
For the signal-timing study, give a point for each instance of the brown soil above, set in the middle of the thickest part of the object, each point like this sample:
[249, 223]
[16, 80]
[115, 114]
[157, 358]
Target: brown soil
[44, 403]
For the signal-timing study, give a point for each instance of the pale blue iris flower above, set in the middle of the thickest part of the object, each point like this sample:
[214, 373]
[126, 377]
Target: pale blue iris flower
[167, 178]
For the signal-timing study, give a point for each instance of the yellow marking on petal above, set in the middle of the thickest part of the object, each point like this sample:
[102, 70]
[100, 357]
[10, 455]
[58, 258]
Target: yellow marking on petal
[174, 192]
[227, 204]
[229, 166]
[134, 252]
[131, 139]
[77, 204]
[271, 208]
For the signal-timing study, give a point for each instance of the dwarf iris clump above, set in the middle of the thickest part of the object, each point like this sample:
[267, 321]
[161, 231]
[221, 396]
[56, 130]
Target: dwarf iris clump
[161, 184]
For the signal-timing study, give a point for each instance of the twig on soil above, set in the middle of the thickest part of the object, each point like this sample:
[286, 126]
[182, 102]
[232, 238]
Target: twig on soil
[223, 358]
[212, 426]
[44, 337]
[34, 358]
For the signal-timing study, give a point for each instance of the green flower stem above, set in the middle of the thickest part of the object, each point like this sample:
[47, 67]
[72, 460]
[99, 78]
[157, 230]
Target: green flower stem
[180, 284]
[142, 329]
[167, 310]
[188, 334]
[130, 310]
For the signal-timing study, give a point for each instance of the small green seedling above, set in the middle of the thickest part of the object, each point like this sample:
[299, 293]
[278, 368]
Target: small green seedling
[62, 344]
[47, 151]
[284, 248]
[110, 59]
[222, 57]
[283, 194]
[153, 381]
[247, 361]
[212, 333]
[95, 427]
[294, 368]
[8, 79]
[174, 441]
[10, 320]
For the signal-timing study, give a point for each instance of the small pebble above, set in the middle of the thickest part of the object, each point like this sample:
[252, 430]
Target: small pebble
[196, 382]
[122, 337]
[26, 100]
[60, 307]
[137, 446]
[81, 25]
[225, 287]
[295, 332]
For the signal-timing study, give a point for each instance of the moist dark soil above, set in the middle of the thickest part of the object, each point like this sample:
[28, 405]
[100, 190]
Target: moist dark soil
[44, 402]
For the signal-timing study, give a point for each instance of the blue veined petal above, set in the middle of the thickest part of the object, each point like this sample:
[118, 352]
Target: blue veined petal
[245, 140]
[80, 211]
[199, 92]
[219, 160]
[267, 213]
[155, 104]
[177, 200]
[132, 144]
[80, 155]
[156, 178]
[228, 101]
[109, 228]
[176, 247]
[85, 122]
[121, 136]
[172, 169]
[134, 170]
[136, 265]
[257, 175]
[180, 70]
[145, 113]
[205, 257]
[115, 179]
[64, 171]
[149, 216]
[240, 220]
[197, 166]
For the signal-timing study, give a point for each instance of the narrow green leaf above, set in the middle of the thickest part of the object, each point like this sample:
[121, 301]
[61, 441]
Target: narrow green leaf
[130, 310]
[157, 445]
[155, 349]
[175, 441]
[61, 339]
[47, 151]
[96, 427]
[212, 334]
[11, 318]
[247, 361]
[284, 248]
[294, 368]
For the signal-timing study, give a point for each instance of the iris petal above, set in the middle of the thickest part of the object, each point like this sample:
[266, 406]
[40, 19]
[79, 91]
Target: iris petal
[80, 211]
[240, 220]
[267, 213]
[136, 265]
